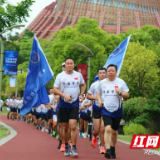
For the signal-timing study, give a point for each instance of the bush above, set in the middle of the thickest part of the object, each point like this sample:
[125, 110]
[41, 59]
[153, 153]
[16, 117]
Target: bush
[133, 107]
[134, 128]
[3, 96]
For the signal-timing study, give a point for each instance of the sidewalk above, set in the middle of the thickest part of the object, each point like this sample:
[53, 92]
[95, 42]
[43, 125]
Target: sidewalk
[31, 144]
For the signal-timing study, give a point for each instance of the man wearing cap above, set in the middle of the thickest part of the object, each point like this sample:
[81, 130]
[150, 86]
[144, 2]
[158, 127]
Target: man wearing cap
[63, 66]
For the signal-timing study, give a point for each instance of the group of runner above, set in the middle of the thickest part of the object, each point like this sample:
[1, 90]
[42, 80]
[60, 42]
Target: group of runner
[105, 96]
[69, 105]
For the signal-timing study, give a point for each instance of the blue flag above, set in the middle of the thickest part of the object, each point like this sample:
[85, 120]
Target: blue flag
[117, 56]
[39, 73]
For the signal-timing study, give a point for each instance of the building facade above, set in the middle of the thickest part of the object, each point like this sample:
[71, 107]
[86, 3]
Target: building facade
[114, 16]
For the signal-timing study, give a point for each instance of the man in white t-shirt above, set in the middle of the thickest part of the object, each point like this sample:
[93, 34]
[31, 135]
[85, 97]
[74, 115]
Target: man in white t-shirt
[110, 92]
[67, 86]
[1, 104]
[13, 109]
[8, 104]
[87, 105]
[97, 118]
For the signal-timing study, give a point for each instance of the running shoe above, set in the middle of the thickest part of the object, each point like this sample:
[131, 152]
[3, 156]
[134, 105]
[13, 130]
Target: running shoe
[62, 149]
[67, 151]
[94, 142]
[102, 150]
[74, 152]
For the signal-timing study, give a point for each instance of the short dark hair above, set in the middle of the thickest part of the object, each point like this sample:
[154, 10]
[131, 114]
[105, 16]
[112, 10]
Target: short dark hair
[112, 65]
[101, 69]
[69, 58]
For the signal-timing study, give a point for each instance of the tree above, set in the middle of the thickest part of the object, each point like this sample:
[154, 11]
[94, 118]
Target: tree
[150, 117]
[140, 70]
[133, 108]
[13, 14]
[85, 32]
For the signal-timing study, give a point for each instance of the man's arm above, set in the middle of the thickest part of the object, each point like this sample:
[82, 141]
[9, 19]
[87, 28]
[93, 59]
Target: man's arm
[122, 94]
[91, 97]
[100, 104]
[83, 89]
[65, 96]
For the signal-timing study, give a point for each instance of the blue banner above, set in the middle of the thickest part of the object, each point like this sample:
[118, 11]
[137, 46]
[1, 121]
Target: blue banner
[39, 73]
[117, 56]
[10, 62]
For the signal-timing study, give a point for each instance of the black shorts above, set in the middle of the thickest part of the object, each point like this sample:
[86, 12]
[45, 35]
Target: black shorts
[38, 115]
[114, 122]
[81, 116]
[44, 117]
[14, 110]
[57, 113]
[34, 113]
[65, 114]
[18, 110]
[86, 117]
[50, 114]
[96, 114]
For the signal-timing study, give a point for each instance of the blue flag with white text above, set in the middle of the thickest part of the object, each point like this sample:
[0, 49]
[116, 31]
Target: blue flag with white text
[39, 73]
[117, 56]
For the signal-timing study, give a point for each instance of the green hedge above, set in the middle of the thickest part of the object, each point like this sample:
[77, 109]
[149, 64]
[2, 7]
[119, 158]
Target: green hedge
[134, 128]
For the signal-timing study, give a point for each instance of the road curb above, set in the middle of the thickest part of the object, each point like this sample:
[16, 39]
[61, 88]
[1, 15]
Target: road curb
[12, 134]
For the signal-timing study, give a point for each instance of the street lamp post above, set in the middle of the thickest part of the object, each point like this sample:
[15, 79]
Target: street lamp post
[2, 52]
[2, 55]
[17, 82]
[90, 53]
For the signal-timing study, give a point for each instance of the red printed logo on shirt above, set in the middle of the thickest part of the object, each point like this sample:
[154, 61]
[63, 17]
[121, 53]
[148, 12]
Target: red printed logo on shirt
[76, 78]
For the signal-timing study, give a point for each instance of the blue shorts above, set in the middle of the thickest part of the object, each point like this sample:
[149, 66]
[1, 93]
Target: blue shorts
[63, 104]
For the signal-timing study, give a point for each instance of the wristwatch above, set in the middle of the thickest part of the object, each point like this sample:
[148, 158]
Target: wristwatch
[120, 93]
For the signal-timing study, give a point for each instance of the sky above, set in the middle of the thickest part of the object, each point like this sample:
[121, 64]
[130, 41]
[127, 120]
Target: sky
[36, 8]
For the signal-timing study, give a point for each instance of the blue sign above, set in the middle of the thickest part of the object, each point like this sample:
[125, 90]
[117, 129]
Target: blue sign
[10, 62]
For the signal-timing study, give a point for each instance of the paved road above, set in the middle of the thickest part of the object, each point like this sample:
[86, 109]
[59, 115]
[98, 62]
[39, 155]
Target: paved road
[31, 144]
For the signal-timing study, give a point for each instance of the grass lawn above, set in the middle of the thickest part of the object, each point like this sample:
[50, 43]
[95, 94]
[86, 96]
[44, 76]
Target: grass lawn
[3, 132]
[4, 111]
[127, 138]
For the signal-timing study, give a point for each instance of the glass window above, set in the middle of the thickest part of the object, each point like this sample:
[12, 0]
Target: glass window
[118, 4]
[103, 2]
[108, 3]
[95, 1]
[129, 5]
[111, 2]
[115, 3]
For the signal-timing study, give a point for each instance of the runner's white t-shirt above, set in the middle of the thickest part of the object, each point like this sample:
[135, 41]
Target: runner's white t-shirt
[12, 103]
[111, 100]
[38, 109]
[86, 101]
[19, 103]
[69, 84]
[44, 109]
[1, 103]
[93, 90]
[51, 98]
[8, 102]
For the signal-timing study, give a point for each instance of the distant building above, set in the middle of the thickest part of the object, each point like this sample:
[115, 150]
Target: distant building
[114, 16]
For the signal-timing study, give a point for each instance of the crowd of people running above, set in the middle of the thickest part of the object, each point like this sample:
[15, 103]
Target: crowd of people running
[71, 109]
